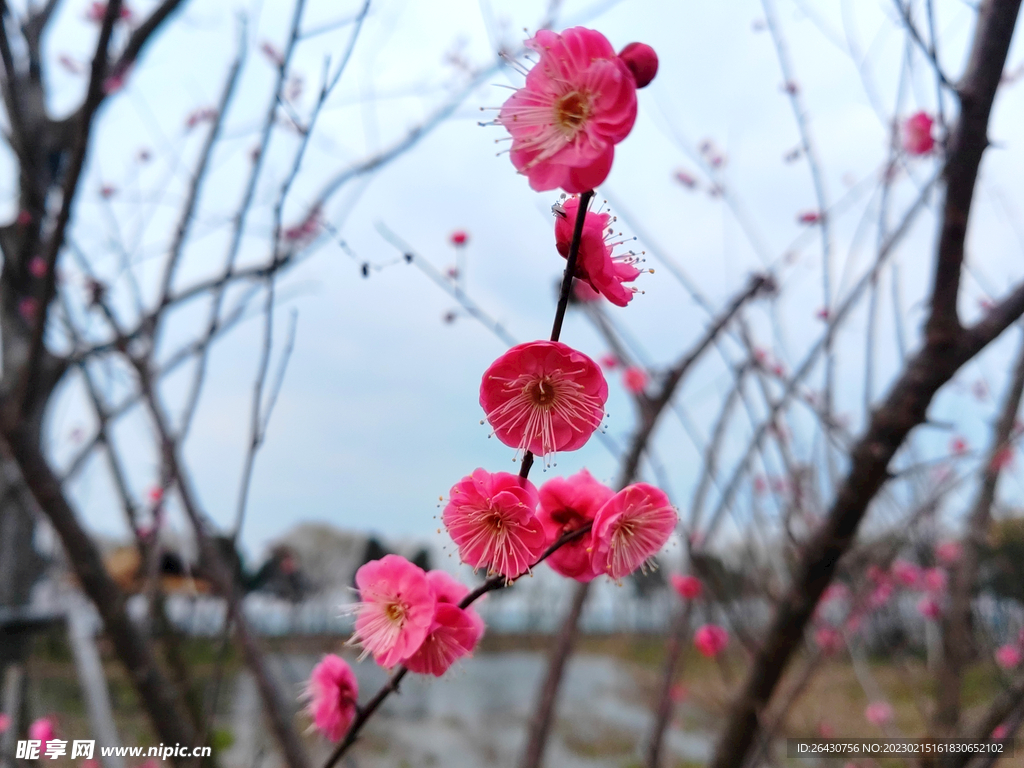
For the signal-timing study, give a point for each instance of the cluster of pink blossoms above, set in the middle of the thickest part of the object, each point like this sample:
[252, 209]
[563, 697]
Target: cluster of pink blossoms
[501, 522]
[540, 398]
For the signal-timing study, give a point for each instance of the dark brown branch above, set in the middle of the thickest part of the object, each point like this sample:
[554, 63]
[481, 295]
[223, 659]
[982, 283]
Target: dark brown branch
[946, 349]
[94, 97]
[142, 34]
[957, 641]
[673, 653]
[156, 693]
[968, 140]
[542, 719]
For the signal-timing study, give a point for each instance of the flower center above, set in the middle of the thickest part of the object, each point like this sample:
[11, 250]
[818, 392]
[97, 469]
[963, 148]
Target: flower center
[541, 392]
[395, 612]
[571, 112]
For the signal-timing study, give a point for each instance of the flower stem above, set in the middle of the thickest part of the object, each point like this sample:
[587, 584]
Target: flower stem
[563, 294]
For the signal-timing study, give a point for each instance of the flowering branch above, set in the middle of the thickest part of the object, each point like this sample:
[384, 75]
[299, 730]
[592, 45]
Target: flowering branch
[365, 712]
[563, 295]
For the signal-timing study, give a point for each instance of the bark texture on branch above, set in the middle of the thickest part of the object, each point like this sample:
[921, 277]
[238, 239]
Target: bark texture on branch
[946, 348]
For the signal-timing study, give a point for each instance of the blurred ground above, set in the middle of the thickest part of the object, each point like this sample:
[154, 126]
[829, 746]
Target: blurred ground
[476, 715]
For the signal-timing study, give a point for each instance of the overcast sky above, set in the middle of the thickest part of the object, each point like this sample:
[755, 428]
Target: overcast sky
[378, 415]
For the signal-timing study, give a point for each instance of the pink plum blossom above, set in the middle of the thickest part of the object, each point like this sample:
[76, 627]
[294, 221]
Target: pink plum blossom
[459, 238]
[43, 729]
[1008, 656]
[583, 292]
[609, 361]
[934, 579]
[1000, 732]
[948, 552]
[906, 574]
[453, 634]
[828, 639]
[595, 263]
[634, 379]
[688, 587]
[710, 640]
[454, 631]
[5, 722]
[567, 504]
[491, 518]
[449, 590]
[333, 693]
[395, 611]
[630, 528]
[878, 713]
[37, 267]
[543, 396]
[917, 134]
[929, 607]
[578, 102]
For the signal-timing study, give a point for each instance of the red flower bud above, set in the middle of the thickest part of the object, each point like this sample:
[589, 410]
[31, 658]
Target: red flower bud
[642, 62]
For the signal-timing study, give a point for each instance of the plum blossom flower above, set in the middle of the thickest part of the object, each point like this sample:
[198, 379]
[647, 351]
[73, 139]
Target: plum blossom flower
[595, 263]
[634, 379]
[567, 504]
[957, 446]
[543, 396]
[609, 361]
[630, 528]
[578, 102]
[395, 611]
[687, 587]
[5, 722]
[829, 639]
[43, 729]
[333, 692]
[907, 574]
[37, 267]
[929, 607]
[582, 291]
[878, 713]
[934, 580]
[948, 552]
[710, 640]
[917, 134]
[453, 634]
[1000, 732]
[1008, 656]
[459, 238]
[491, 518]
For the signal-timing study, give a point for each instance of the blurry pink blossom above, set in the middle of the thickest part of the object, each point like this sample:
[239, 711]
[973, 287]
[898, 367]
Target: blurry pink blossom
[333, 692]
[609, 361]
[878, 713]
[828, 639]
[710, 640]
[459, 237]
[634, 379]
[1008, 656]
[957, 445]
[688, 587]
[934, 579]
[37, 267]
[948, 552]
[906, 574]
[809, 217]
[929, 607]
[917, 134]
